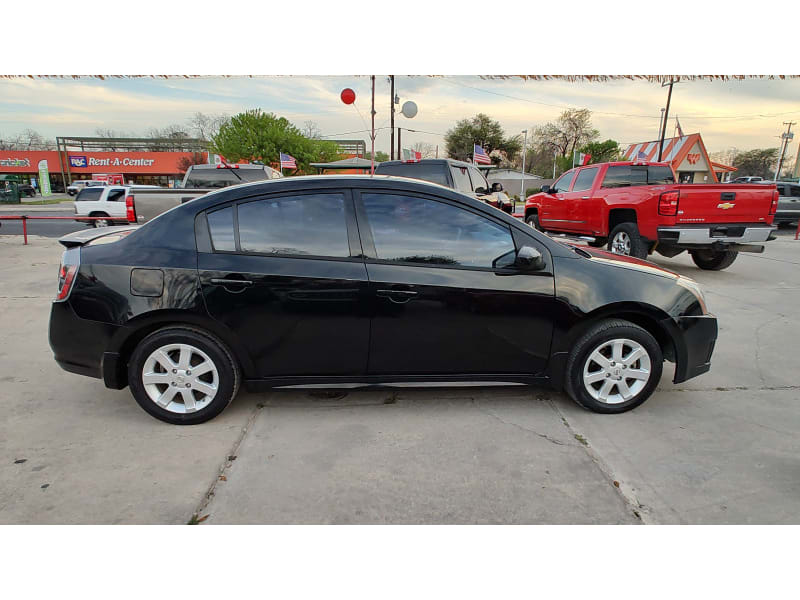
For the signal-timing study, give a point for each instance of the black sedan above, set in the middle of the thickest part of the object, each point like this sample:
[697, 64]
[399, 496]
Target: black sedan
[374, 281]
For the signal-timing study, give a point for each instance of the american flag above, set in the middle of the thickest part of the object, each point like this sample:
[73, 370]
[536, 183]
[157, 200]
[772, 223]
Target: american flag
[479, 156]
[288, 161]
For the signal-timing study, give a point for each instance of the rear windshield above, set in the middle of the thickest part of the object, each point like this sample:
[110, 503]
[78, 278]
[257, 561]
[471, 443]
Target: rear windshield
[435, 173]
[220, 178]
[89, 193]
[631, 175]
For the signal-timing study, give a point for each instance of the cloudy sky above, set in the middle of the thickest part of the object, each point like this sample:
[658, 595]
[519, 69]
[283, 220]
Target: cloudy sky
[743, 114]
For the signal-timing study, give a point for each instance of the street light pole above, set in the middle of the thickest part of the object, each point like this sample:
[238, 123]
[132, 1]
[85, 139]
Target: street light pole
[522, 181]
[785, 137]
[391, 116]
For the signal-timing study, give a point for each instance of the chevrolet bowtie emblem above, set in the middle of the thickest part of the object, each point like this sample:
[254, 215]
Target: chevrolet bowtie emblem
[725, 205]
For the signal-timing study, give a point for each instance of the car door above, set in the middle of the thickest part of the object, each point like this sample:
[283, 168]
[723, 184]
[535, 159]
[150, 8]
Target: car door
[284, 274]
[113, 201]
[554, 208]
[446, 298]
[578, 202]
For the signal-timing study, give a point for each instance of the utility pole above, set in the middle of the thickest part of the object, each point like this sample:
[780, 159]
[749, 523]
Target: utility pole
[785, 139]
[660, 121]
[372, 166]
[522, 181]
[399, 153]
[391, 116]
[666, 117]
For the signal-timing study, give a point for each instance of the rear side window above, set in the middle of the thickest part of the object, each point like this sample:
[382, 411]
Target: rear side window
[659, 175]
[116, 195]
[795, 189]
[585, 180]
[303, 225]
[478, 180]
[435, 173]
[89, 194]
[220, 224]
[410, 229]
[461, 179]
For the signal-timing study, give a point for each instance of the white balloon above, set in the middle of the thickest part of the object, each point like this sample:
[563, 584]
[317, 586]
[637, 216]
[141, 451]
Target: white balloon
[409, 109]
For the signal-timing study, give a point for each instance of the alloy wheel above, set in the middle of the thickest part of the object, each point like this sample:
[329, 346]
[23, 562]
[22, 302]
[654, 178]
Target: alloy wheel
[621, 243]
[616, 371]
[180, 378]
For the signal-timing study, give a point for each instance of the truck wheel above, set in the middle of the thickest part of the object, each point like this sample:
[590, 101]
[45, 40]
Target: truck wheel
[714, 260]
[614, 367]
[625, 239]
[533, 220]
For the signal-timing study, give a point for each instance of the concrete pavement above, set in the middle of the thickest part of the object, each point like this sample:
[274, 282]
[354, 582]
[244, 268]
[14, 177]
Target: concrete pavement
[721, 448]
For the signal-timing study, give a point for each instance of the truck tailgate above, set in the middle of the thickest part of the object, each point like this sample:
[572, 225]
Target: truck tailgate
[725, 203]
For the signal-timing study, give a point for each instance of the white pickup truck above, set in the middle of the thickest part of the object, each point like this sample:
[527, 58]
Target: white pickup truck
[106, 201]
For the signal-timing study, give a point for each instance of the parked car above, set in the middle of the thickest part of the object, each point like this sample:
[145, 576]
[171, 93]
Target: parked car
[79, 184]
[144, 205]
[26, 189]
[337, 280]
[637, 209]
[788, 211]
[455, 174]
[748, 179]
[107, 201]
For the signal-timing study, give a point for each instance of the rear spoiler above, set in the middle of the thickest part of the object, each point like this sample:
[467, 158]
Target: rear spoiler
[79, 238]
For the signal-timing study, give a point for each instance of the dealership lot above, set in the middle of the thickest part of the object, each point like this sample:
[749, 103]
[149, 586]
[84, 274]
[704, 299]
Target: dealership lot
[722, 448]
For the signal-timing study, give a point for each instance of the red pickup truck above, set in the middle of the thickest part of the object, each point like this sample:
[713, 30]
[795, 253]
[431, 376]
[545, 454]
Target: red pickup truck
[636, 208]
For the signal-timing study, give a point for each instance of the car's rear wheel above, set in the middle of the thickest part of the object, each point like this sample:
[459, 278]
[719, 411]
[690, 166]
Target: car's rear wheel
[183, 375]
[625, 239]
[614, 367]
[104, 222]
[713, 260]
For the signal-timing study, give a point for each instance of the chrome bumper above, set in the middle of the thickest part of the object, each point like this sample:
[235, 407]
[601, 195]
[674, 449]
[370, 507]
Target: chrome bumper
[702, 235]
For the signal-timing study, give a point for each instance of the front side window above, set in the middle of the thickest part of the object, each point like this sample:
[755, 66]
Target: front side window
[410, 229]
[478, 180]
[795, 189]
[562, 185]
[585, 179]
[461, 178]
[304, 225]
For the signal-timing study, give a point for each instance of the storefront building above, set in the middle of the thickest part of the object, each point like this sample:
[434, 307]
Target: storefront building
[688, 156]
[153, 168]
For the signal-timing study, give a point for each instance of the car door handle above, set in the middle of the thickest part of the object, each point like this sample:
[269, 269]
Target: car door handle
[585, 197]
[244, 282]
[397, 296]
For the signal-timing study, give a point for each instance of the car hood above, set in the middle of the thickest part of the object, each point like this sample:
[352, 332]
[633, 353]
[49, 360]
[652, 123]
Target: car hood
[627, 262]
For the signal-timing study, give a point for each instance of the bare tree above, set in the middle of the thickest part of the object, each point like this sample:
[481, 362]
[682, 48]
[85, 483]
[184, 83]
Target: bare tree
[572, 130]
[311, 130]
[110, 134]
[206, 126]
[425, 149]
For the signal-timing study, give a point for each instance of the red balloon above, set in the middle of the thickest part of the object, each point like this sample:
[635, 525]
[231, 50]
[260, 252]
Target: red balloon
[348, 96]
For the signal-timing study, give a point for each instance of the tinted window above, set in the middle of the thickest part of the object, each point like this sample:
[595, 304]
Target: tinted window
[562, 185]
[418, 230]
[782, 191]
[116, 195]
[89, 193]
[220, 178]
[220, 224]
[659, 175]
[795, 190]
[584, 180]
[306, 224]
[461, 179]
[433, 172]
[632, 175]
[478, 180]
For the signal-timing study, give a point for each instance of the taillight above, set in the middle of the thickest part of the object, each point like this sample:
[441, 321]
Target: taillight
[668, 203]
[130, 210]
[66, 276]
[773, 208]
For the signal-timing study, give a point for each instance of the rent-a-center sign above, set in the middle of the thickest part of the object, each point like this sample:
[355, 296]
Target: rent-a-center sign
[94, 162]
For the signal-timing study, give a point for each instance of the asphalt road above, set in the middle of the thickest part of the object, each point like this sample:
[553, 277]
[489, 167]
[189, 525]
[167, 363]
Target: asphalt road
[721, 448]
[52, 229]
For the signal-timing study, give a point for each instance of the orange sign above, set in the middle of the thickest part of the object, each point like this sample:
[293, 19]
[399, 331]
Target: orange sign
[77, 163]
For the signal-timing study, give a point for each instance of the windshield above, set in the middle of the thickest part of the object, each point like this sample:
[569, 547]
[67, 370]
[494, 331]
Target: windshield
[220, 178]
[435, 173]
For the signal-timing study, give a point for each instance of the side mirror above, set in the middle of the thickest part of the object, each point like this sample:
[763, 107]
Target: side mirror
[497, 186]
[481, 191]
[546, 189]
[529, 259]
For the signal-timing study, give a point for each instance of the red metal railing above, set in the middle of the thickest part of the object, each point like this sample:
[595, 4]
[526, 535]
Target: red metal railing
[26, 218]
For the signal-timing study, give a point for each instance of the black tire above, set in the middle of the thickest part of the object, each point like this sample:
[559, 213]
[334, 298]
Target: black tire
[533, 220]
[637, 246]
[597, 335]
[598, 242]
[229, 375]
[713, 260]
[107, 223]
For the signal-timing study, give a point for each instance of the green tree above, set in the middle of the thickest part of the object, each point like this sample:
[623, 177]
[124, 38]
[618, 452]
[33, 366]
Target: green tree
[760, 163]
[256, 135]
[607, 151]
[482, 130]
[379, 156]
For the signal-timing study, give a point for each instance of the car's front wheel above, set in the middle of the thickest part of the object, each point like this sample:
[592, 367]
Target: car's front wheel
[614, 367]
[533, 220]
[183, 375]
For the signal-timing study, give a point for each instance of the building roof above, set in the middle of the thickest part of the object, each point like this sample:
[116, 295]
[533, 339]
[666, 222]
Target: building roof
[674, 150]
